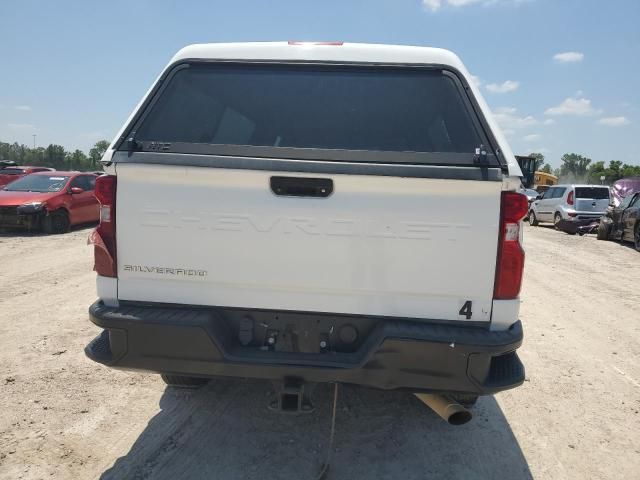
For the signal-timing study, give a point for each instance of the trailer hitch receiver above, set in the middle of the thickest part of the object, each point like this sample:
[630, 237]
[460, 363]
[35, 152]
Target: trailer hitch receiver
[292, 396]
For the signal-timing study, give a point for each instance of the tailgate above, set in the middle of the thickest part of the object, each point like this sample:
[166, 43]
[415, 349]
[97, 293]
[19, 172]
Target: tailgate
[378, 245]
[592, 199]
[409, 230]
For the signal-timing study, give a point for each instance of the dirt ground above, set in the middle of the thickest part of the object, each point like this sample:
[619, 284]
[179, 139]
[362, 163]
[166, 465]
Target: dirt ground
[577, 415]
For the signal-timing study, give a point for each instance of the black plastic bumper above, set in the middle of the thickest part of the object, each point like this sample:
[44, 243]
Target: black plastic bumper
[573, 226]
[396, 353]
[15, 217]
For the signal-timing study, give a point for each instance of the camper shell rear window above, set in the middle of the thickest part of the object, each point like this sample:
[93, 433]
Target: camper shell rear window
[313, 111]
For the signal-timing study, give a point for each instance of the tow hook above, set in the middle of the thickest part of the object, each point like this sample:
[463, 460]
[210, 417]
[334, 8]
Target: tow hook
[291, 396]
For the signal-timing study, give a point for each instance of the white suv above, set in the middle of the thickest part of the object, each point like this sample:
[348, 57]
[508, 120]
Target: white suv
[573, 203]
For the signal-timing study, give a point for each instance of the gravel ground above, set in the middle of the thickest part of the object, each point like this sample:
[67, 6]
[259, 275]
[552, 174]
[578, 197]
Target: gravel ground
[64, 417]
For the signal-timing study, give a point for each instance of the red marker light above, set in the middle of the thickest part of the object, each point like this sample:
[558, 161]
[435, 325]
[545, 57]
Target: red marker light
[335, 44]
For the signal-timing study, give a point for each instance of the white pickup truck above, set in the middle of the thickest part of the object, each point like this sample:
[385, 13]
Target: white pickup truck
[312, 212]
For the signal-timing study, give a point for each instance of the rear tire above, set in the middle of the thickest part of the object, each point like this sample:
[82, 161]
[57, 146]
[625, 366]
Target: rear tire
[56, 222]
[556, 220]
[603, 231]
[180, 381]
[533, 220]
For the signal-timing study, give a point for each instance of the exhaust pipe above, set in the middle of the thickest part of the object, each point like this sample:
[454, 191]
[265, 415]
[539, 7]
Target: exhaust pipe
[450, 411]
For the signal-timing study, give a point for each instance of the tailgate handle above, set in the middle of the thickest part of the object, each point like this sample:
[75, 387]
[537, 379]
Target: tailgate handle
[302, 186]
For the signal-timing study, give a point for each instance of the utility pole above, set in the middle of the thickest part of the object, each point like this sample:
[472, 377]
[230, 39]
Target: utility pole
[34, 141]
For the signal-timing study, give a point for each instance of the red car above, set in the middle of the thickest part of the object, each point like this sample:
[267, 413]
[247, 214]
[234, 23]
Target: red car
[52, 201]
[13, 173]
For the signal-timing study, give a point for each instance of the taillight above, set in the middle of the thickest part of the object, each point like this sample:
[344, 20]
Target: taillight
[104, 236]
[510, 262]
[570, 198]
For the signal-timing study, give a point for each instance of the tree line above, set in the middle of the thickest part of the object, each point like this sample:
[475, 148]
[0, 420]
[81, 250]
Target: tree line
[55, 156]
[578, 168]
[574, 168]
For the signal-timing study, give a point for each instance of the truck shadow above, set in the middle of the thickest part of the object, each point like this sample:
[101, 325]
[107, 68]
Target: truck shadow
[226, 431]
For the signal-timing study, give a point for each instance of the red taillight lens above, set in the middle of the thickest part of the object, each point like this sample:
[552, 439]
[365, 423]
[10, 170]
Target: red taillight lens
[510, 262]
[104, 236]
[513, 207]
[106, 189]
[570, 198]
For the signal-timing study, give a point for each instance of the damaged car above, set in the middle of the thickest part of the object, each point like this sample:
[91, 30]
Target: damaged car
[50, 201]
[623, 187]
[622, 222]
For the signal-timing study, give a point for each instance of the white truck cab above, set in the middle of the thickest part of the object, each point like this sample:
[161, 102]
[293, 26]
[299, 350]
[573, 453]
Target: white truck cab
[322, 212]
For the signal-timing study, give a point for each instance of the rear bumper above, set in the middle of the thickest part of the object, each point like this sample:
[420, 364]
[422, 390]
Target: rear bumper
[573, 226]
[396, 353]
[576, 216]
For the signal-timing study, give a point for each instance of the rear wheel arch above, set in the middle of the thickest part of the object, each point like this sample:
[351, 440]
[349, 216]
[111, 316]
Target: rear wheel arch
[557, 217]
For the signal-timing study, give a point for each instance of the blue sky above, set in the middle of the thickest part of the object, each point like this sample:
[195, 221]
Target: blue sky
[561, 75]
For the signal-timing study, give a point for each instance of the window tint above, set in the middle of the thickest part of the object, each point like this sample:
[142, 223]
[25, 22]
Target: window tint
[83, 182]
[558, 192]
[233, 129]
[77, 182]
[547, 194]
[595, 193]
[91, 182]
[313, 107]
[636, 201]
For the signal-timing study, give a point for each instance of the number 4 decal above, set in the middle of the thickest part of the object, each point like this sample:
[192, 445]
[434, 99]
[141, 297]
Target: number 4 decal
[466, 309]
